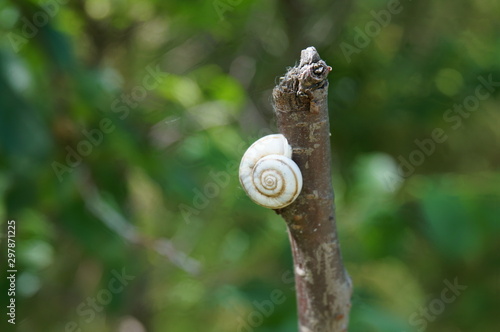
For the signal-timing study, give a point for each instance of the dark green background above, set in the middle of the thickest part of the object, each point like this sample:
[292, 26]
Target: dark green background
[158, 196]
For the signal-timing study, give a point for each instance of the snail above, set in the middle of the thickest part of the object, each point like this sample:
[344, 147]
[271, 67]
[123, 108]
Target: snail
[268, 174]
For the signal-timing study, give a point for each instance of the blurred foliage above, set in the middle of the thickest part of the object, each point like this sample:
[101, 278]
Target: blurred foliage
[162, 98]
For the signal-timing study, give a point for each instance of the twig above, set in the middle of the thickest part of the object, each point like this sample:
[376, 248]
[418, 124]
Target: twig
[323, 285]
[118, 224]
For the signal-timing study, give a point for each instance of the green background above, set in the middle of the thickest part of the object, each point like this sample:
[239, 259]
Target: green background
[154, 192]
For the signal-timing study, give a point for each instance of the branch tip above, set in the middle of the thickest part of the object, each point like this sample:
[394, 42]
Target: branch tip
[308, 56]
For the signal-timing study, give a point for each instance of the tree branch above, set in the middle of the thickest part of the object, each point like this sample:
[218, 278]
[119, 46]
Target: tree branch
[323, 285]
[118, 224]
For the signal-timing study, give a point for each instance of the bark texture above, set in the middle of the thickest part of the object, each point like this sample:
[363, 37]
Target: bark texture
[323, 285]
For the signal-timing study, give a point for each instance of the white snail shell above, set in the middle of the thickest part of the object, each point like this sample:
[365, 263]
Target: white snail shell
[268, 174]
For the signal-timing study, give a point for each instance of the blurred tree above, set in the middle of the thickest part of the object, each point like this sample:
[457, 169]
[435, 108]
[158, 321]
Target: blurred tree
[65, 66]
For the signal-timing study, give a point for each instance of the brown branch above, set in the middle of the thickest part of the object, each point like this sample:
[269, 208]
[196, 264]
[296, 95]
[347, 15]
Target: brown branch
[323, 285]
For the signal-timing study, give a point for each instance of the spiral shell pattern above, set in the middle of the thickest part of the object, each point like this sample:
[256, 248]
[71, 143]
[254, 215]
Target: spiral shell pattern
[268, 174]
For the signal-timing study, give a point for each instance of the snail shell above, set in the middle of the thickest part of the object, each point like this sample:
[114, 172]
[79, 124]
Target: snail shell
[268, 174]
